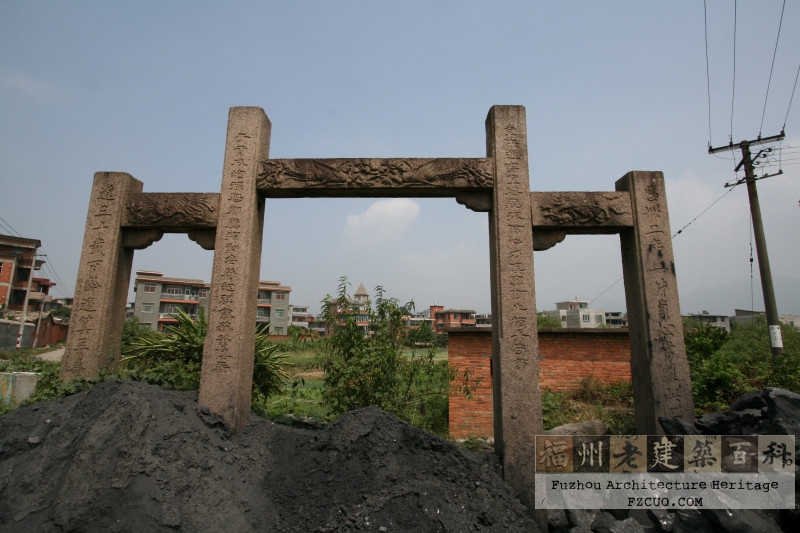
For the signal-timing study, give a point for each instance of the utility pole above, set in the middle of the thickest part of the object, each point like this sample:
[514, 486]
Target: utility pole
[25, 303]
[770, 305]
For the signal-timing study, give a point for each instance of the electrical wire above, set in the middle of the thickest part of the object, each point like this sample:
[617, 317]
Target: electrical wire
[769, 82]
[708, 74]
[605, 291]
[752, 292]
[7, 227]
[704, 211]
[791, 97]
[680, 231]
[733, 88]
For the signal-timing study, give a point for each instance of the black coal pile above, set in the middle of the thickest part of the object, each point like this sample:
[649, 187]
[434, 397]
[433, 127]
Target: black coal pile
[125, 456]
[766, 412]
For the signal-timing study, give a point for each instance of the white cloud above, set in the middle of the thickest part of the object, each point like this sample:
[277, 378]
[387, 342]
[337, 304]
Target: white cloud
[28, 86]
[384, 220]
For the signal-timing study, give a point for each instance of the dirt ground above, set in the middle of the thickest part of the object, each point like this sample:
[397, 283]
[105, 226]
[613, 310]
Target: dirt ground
[125, 456]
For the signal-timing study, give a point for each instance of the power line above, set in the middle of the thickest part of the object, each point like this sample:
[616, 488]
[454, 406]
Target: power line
[704, 211]
[791, 97]
[680, 231]
[733, 88]
[708, 75]
[8, 227]
[605, 291]
[769, 82]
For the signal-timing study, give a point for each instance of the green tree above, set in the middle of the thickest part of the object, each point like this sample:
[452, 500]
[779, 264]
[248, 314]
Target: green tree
[702, 341]
[421, 336]
[545, 320]
[368, 368]
[723, 368]
[62, 312]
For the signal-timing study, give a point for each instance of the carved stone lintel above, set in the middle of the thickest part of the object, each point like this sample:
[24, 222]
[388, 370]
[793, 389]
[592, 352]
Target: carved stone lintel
[203, 237]
[581, 212]
[172, 210]
[476, 201]
[139, 239]
[297, 178]
[545, 239]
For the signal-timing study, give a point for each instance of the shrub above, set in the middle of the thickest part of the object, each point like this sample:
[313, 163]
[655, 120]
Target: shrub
[743, 363]
[172, 359]
[367, 368]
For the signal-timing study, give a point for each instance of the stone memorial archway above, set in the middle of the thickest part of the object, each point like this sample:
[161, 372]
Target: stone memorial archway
[122, 219]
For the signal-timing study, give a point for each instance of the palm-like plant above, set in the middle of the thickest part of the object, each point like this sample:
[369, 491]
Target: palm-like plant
[178, 351]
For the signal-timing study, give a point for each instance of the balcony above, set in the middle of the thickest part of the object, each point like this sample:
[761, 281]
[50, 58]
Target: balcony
[263, 301]
[168, 296]
[168, 316]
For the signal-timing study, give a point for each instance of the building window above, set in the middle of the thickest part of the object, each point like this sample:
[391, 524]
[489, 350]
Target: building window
[149, 287]
[202, 293]
[585, 318]
[262, 312]
[279, 312]
[175, 291]
[147, 307]
[280, 295]
[598, 319]
[278, 331]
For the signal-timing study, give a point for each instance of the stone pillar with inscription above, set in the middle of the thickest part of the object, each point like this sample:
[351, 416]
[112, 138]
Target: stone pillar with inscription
[659, 368]
[515, 349]
[104, 274]
[227, 371]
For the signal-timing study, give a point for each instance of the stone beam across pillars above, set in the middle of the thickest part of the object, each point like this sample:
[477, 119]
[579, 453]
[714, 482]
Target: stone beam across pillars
[515, 349]
[659, 368]
[103, 277]
[365, 177]
[227, 370]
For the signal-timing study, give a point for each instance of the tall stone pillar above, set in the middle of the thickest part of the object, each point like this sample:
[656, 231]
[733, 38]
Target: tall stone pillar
[227, 371]
[659, 368]
[104, 274]
[515, 348]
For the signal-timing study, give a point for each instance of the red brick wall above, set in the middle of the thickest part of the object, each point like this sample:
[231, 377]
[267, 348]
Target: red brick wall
[565, 356]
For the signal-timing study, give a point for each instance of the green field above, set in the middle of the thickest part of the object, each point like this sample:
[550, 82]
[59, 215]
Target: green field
[302, 396]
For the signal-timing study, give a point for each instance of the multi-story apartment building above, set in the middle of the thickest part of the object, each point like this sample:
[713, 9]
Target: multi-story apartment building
[300, 316]
[576, 314]
[616, 319]
[158, 297]
[17, 259]
[273, 306]
[443, 319]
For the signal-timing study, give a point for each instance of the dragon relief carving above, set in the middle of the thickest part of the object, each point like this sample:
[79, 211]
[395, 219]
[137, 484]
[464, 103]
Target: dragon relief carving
[374, 173]
[575, 210]
[169, 209]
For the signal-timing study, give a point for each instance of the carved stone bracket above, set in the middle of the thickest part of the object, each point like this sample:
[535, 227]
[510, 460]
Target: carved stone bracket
[139, 239]
[440, 177]
[172, 212]
[544, 239]
[476, 201]
[203, 237]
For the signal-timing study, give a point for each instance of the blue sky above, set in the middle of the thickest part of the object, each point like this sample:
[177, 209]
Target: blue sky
[608, 87]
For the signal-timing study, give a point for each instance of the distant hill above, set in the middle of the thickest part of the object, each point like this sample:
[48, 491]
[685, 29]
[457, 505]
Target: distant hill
[723, 299]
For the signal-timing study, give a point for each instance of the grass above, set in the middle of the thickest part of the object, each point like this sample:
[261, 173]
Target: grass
[611, 404]
[302, 397]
